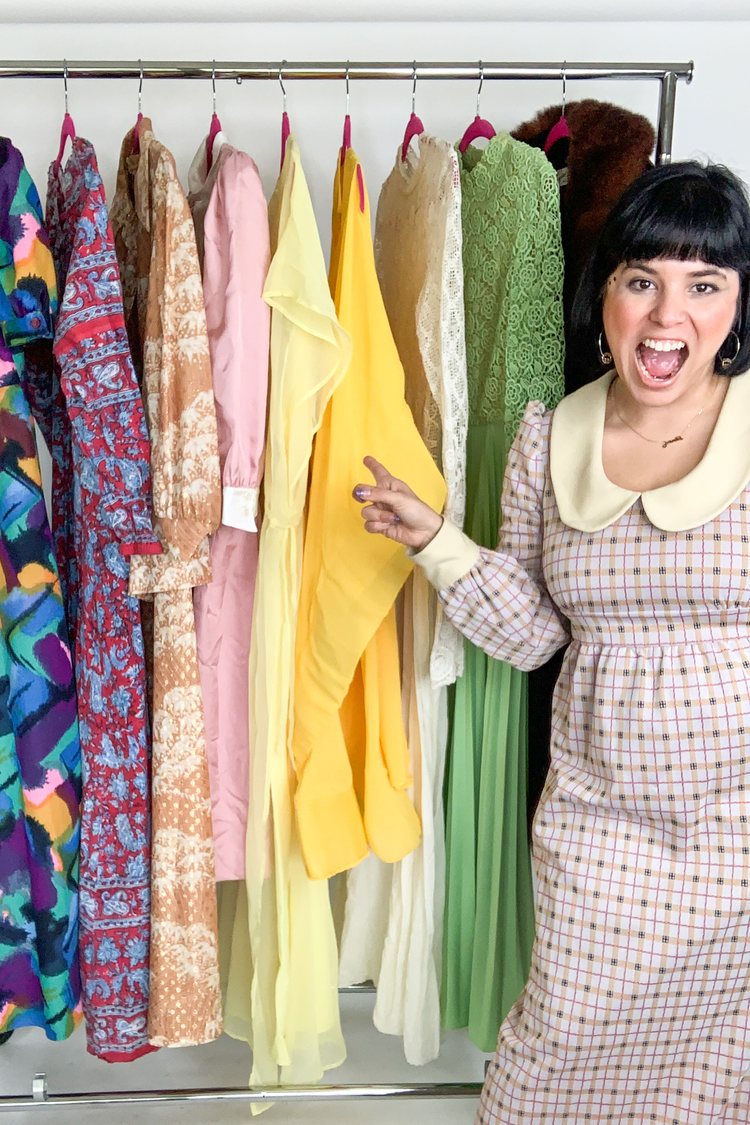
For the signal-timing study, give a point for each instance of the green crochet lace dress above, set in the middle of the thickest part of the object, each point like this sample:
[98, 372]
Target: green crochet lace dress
[513, 277]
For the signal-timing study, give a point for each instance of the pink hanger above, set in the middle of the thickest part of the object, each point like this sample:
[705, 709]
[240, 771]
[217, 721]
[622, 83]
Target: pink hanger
[136, 135]
[560, 129]
[346, 144]
[414, 126]
[215, 126]
[285, 126]
[479, 127]
[68, 130]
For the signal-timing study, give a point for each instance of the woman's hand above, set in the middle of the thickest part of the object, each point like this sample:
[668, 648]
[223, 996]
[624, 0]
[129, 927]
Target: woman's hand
[394, 511]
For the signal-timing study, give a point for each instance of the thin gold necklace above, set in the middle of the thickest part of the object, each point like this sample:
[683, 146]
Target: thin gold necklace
[655, 441]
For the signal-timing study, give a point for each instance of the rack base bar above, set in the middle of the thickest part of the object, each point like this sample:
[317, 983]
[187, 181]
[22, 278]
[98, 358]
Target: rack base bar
[42, 1099]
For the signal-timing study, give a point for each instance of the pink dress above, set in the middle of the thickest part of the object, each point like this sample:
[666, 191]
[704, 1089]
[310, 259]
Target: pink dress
[637, 1003]
[231, 220]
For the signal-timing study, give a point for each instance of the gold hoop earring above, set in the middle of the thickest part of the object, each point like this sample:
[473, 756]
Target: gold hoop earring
[604, 357]
[726, 361]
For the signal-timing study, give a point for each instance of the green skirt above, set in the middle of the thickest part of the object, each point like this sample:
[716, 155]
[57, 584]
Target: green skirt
[489, 907]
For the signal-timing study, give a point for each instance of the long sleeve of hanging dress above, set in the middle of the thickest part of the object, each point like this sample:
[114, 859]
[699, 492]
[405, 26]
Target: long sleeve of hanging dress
[40, 760]
[156, 240]
[498, 598]
[231, 224]
[112, 508]
[349, 741]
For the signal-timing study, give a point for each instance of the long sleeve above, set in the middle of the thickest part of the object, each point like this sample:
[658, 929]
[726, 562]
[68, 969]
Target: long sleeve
[498, 599]
[236, 258]
[106, 411]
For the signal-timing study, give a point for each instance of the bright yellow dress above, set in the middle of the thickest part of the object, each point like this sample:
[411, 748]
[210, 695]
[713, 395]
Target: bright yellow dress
[350, 754]
[279, 956]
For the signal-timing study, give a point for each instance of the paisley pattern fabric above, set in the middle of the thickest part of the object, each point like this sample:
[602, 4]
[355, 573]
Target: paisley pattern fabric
[40, 766]
[110, 482]
[155, 242]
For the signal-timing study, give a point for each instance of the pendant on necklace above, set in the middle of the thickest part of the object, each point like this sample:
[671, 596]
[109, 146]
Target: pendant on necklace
[671, 441]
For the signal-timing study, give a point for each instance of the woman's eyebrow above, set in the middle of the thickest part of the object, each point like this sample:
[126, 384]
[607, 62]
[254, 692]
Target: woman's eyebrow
[707, 271]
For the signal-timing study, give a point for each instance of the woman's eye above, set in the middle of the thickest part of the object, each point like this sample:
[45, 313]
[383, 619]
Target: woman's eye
[704, 287]
[641, 284]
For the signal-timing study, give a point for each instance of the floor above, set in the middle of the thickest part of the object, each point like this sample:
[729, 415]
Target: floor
[373, 1058]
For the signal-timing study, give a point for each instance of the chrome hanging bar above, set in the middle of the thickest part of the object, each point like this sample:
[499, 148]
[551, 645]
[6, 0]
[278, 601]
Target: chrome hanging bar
[667, 74]
[439, 71]
[41, 1098]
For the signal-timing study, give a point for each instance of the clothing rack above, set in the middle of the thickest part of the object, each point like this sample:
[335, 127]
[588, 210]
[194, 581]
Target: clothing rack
[667, 74]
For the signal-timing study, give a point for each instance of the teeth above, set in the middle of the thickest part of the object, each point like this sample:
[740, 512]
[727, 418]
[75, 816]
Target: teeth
[665, 345]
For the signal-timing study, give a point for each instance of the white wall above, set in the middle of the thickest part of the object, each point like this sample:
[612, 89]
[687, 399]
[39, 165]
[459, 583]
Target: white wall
[711, 114]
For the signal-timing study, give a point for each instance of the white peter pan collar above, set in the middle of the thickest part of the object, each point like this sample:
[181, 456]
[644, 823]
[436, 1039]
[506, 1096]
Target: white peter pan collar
[588, 500]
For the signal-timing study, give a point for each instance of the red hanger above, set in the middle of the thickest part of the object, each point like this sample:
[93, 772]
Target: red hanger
[346, 142]
[414, 126]
[215, 126]
[213, 132]
[136, 136]
[285, 126]
[560, 129]
[286, 130]
[68, 129]
[558, 132]
[479, 127]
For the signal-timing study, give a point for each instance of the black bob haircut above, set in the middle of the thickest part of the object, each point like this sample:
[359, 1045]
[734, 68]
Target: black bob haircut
[686, 211]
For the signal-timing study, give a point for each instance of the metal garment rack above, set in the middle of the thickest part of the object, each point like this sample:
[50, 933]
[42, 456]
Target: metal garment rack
[667, 75]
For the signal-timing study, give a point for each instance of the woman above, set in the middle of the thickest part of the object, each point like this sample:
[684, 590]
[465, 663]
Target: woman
[627, 533]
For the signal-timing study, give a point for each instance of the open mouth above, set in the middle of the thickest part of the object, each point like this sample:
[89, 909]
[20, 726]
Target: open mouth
[659, 361]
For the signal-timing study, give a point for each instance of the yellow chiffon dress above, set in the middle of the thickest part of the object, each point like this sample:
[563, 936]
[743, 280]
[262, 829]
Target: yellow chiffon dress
[349, 744]
[279, 956]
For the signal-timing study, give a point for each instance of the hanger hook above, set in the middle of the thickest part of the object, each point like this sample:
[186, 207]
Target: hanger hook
[281, 83]
[481, 83]
[414, 87]
[346, 79]
[213, 81]
[65, 82]
[564, 84]
[140, 85]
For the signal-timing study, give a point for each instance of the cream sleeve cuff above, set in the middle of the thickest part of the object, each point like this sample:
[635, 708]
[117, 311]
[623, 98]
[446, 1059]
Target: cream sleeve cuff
[239, 508]
[448, 557]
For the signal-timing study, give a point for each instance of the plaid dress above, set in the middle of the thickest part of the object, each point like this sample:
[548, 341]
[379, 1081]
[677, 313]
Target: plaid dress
[637, 1006]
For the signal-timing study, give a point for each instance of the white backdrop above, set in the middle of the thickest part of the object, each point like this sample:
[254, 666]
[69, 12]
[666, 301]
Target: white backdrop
[711, 120]
[711, 116]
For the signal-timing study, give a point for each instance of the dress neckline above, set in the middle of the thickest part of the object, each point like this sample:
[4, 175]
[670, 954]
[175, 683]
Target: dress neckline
[588, 500]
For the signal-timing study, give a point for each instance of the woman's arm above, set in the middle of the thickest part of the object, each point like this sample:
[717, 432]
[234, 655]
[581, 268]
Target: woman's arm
[495, 598]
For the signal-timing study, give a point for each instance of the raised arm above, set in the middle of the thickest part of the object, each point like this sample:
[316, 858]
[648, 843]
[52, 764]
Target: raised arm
[495, 598]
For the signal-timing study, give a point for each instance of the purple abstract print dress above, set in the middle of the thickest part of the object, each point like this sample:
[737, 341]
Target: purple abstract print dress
[40, 767]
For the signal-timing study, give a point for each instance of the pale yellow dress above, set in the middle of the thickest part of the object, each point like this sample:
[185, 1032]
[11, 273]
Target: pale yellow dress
[279, 957]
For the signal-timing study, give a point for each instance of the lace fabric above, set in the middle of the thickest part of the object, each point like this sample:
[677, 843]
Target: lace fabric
[513, 266]
[418, 251]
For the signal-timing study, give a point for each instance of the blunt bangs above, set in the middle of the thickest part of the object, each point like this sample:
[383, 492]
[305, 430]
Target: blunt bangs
[686, 211]
[683, 217]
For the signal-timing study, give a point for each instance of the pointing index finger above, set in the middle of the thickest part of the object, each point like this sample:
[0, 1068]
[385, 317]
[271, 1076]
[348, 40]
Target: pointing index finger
[381, 474]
